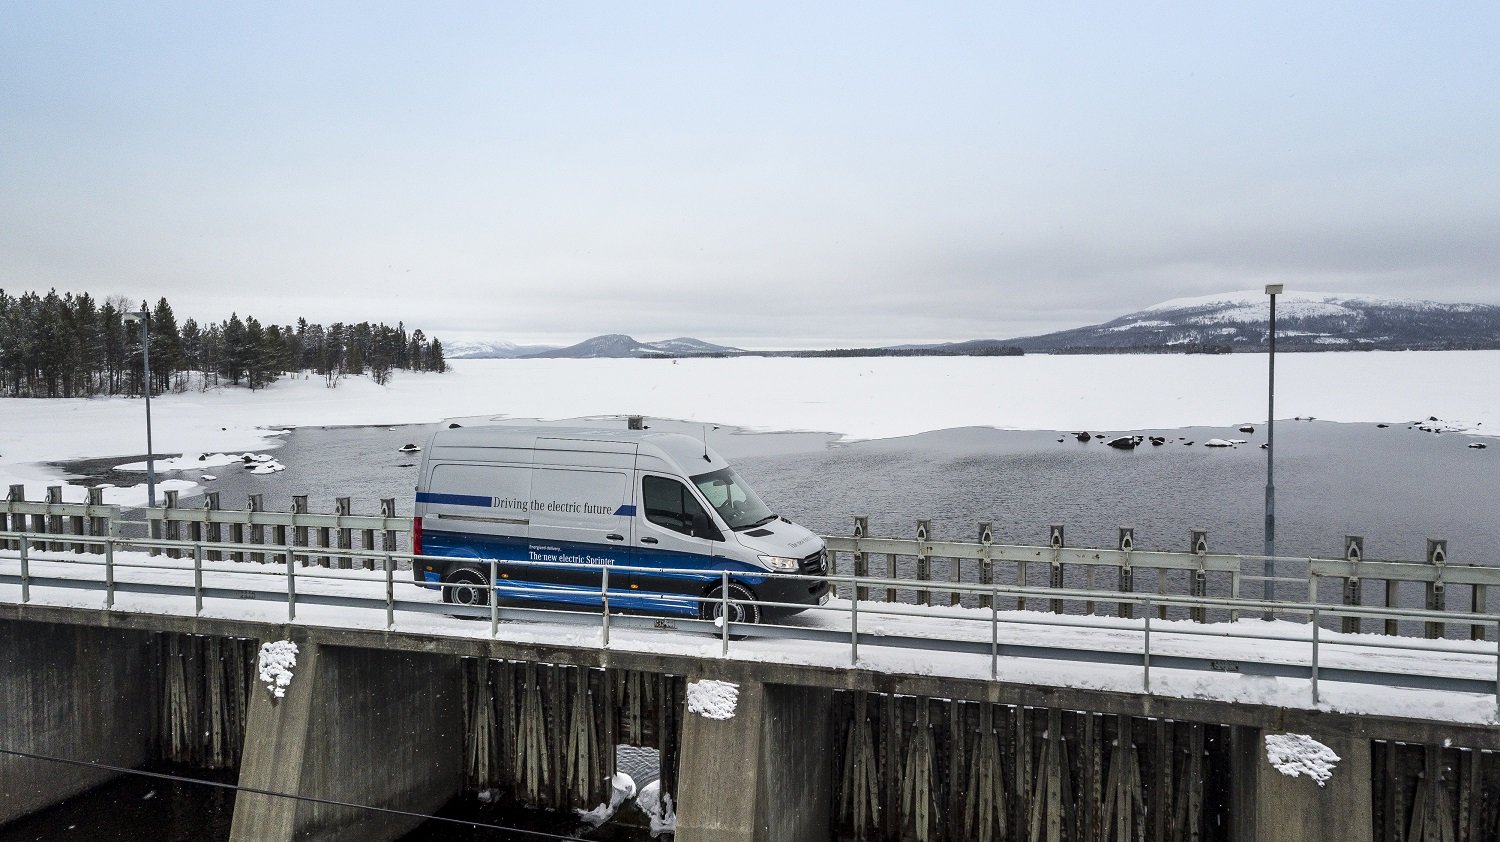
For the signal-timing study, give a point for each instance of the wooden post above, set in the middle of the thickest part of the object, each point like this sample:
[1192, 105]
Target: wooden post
[17, 494]
[236, 536]
[924, 562]
[986, 566]
[1127, 573]
[342, 507]
[75, 527]
[1200, 576]
[388, 509]
[172, 527]
[1392, 600]
[213, 532]
[1354, 553]
[257, 503]
[299, 533]
[98, 526]
[325, 540]
[1437, 556]
[1055, 574]
[54, 523]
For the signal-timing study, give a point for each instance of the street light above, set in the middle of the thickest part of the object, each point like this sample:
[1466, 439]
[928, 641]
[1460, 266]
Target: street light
[1272, 290]
[143, 318]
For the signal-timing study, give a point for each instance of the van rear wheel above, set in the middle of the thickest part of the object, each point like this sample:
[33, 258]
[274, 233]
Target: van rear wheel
[742, 607]
[466, 586]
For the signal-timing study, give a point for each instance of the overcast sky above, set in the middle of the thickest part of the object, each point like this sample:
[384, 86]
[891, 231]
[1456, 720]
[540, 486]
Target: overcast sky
[757, 174]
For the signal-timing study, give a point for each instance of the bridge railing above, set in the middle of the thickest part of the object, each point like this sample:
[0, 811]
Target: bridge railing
[915, 568]
[855, 624]
[1352, 581]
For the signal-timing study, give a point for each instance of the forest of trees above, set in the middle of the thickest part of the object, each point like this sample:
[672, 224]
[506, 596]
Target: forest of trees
[62, 346]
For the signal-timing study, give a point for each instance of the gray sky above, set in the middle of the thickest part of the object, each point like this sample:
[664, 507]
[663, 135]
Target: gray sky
[759, 174]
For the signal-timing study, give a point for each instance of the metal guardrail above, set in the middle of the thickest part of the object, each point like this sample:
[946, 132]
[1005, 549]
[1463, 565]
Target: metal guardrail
[286, 571]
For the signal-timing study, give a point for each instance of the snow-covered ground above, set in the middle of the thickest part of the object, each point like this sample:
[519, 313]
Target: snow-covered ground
[857, 398]
[1248, 640]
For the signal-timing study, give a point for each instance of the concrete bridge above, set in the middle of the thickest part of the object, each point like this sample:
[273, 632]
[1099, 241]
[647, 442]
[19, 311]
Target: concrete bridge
[890, 721]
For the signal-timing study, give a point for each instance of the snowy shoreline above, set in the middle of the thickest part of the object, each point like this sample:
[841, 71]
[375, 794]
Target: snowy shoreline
[856, 398]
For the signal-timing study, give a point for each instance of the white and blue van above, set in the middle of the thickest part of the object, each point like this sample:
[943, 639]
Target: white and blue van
[581, 500]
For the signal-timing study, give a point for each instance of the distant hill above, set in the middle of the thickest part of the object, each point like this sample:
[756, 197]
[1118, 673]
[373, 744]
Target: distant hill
[489, 349]
[1305, 321]
[617, 345]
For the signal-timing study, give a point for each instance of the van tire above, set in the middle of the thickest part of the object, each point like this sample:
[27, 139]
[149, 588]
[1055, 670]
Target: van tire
[472, 587]
[742, 607]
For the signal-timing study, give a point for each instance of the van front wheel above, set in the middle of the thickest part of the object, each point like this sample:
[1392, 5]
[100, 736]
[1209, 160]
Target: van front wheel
[466, 586]
[742, 607]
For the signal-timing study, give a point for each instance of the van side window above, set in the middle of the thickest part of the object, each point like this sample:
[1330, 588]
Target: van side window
[670, 505]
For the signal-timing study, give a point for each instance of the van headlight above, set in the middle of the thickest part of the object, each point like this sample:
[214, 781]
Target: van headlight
[780, 564]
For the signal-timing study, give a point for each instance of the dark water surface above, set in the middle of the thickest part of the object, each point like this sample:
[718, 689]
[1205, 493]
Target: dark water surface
[1395, 486]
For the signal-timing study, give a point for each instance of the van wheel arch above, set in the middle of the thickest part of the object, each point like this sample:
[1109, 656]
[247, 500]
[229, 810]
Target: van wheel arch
[742, 605]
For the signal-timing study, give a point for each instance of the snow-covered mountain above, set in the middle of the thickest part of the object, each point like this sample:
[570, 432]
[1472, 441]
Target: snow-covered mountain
[1304, 321]
[616, 345]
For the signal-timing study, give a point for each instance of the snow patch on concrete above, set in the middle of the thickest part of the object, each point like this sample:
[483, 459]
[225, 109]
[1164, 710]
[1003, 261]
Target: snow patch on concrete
[713, 699]
[1299, 754]
[276, 661]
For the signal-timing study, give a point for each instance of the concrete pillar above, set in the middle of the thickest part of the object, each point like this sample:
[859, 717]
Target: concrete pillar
[1275, 807]
[762, 776]
[73, 692]
[360, 726]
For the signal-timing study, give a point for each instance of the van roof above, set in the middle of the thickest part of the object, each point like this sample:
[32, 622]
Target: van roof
[687, 452]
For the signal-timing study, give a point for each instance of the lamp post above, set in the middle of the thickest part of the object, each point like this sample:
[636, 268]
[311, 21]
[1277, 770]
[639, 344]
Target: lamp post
[143, 318]
[1272, 290]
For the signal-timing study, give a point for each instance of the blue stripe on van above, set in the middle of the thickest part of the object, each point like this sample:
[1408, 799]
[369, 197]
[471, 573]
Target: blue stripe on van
[454, 499]
[625, 511]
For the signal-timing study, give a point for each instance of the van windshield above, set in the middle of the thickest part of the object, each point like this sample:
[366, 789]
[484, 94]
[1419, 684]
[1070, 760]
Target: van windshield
[736, 502]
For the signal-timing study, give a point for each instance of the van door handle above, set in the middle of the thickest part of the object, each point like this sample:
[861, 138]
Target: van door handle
[649, 541]
[615, 536]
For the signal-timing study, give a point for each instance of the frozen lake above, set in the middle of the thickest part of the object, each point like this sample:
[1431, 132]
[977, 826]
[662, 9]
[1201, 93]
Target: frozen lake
[1395, 486]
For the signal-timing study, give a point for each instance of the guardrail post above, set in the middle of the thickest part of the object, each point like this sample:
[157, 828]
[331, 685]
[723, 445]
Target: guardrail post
[109, 572]
[198, 579]
[924, 563]
[212, 532]
[853, 630]
[54, 522]
[291, 585]
[493, 600]
[861, 559]
[25, 570]
[1315, 628]
[1055, 575]
[172, 527]
[1127, 573]
[1199, 588]
[257, 531]
[1354, 553]
[343, 509]
[604, 604]
[724, 610]
[299, 533]
[388, 509]
[986, 565]
[390, 593]
[1478, 604]
[1146, 649]
[1392, 600]
[367, 543]
[1437, 556]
